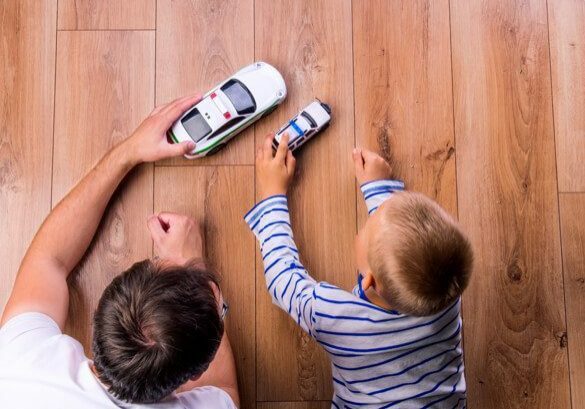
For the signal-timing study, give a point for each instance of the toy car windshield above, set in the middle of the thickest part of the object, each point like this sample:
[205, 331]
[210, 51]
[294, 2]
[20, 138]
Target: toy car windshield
[239, 96]
[196, 125]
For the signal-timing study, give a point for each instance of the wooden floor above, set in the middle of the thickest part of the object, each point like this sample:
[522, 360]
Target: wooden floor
[478, 103]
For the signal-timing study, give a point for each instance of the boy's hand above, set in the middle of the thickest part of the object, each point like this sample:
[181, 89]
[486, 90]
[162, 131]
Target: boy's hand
[177, 238]
[274, 173]
[370, 166]
[149, 141]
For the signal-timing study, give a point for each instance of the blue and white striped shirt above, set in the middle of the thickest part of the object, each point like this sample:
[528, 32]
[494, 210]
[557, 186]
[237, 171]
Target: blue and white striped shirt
[380, 359]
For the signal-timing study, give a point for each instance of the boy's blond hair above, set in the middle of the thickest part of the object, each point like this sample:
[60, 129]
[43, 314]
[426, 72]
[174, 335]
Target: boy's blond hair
[419, 255]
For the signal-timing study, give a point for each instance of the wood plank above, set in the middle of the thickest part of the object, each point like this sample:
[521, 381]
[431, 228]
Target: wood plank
[310, 43]
[572, 210]
[403, 103]
[219, 197]
[515, 320]
[107, 14]
[105, 87]
[567, 52]
[27, 75]
[294, 405]
[199, 44]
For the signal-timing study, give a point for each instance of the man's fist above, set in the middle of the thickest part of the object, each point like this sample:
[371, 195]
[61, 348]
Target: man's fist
[177, 238]
[370, 166]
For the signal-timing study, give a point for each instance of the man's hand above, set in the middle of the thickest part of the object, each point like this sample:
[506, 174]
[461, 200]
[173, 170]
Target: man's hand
[177, 238]
[274, 172]
[370, 166]
[149, 141]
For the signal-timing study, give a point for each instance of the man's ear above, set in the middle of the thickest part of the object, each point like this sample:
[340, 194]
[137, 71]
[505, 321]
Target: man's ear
[368, 281]
[194, 378]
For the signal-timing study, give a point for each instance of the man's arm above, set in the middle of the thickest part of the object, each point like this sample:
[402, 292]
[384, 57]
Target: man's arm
[65, 235]
[221, 373]
[178, 239]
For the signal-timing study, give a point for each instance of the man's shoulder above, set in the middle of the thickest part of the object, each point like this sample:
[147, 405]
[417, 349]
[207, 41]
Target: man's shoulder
[35, 338]
[206, 397]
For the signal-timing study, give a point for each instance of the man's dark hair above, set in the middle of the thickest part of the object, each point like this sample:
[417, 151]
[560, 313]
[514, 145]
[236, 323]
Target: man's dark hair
[155, 327]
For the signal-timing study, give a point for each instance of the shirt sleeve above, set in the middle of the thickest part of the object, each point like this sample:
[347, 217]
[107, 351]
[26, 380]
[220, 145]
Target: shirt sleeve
[287, 281]
[206, 397]
[24, 332]
[377, 192]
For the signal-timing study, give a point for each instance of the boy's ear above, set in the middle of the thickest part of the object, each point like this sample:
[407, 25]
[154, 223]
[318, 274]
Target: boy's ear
[368, 281]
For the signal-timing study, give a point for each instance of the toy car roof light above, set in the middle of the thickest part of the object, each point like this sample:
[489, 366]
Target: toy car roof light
[307, 123]
[222, 108]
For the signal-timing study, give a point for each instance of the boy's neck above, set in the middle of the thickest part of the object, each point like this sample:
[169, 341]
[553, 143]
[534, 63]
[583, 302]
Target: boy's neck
[377, 299]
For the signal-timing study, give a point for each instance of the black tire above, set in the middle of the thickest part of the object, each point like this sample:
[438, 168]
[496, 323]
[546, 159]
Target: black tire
[216, 149]
[265, 114]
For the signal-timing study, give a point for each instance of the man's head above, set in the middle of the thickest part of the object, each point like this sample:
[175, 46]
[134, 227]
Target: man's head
[155, 328]
[414, 255]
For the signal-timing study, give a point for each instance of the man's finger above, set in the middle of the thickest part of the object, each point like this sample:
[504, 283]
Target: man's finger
[282, 150]
[157, 109]
[290, 163]
[267, 146]
[155, 227]
[183, 148]
[178, 107]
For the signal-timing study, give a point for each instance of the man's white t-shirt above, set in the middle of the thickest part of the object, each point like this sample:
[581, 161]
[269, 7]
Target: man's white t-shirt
[40, 367]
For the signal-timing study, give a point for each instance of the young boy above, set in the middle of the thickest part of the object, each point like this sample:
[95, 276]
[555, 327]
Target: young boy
[395, 340]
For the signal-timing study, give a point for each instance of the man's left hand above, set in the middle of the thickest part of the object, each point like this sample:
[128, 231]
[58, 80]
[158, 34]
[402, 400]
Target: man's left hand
[177, 238]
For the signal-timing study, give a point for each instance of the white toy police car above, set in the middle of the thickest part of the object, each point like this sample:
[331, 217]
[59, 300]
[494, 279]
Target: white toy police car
[307, 123]
[230, 107]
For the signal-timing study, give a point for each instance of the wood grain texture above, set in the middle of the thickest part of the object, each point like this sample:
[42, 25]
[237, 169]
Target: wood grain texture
[312, 49]
[27, 74]
[105, 87]
[107, 14]
[294, 405]
[196, 53]
[514, 323]
[219, 197]
[572, 210]
[567, 52]
[403, 100]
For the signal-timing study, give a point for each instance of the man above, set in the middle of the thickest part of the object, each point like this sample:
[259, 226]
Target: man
[159, 339]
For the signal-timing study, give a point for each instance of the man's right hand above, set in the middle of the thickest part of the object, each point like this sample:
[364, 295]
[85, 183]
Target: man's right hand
[149, 142]
[177, 238]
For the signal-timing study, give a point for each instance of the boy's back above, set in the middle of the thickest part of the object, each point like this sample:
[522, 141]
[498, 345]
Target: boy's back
[390, 360]
[379, 357]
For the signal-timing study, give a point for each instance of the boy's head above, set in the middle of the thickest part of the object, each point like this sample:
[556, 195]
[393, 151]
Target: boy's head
[414, 255]
[155, 328]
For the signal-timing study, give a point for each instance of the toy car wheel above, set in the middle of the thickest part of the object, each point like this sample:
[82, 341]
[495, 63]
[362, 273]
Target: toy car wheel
[268, 112]
[217, 149]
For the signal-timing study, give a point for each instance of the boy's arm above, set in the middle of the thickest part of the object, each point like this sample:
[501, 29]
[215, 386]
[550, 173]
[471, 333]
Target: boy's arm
[287, 281]
[377, 192]
[374, 175]
[65, 235]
